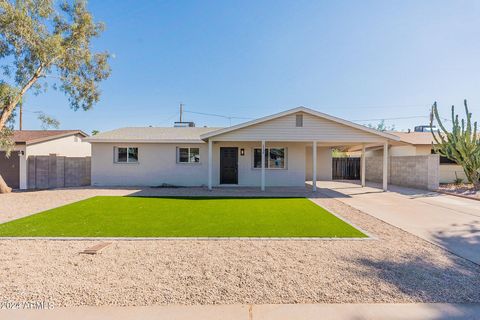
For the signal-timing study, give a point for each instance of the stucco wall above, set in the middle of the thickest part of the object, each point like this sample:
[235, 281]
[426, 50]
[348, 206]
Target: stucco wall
[158, 164]
[409, 171]
[71, 146]
[449, 172]
[324, 163]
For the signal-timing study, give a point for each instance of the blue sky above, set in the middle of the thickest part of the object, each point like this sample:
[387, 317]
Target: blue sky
[357, 60]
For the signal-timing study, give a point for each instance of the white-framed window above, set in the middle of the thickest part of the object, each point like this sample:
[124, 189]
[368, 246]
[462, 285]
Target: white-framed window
[275, 158]
[188, 155]
[126, 154]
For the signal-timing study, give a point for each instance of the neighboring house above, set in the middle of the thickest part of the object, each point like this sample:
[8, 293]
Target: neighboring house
[284, 149]
[420, 143]
[69, 143]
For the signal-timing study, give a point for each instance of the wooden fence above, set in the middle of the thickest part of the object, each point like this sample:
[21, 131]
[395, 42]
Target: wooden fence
[345, 168]
[46, 172]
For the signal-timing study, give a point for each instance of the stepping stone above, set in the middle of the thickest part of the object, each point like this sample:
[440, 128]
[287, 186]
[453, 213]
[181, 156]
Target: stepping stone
[96, 248]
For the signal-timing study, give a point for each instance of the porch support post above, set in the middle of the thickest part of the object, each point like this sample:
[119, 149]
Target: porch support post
[385, 166]
[362, 166]
[263, 166]
[314, 166]
[210, 159]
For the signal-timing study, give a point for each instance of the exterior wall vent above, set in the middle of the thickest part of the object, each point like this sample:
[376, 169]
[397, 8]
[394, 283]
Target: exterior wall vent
[299, 120]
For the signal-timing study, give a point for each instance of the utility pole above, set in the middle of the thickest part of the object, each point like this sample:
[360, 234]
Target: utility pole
[21, 116]
[181, 111]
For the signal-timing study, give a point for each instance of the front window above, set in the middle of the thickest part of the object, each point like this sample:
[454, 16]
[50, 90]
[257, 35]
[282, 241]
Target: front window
[126, 155]
[274, 158]
[188, 155]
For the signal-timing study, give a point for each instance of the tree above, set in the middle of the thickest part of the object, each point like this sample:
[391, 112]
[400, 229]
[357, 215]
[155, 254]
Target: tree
[461, 145]
[47, 121]
[40, 41]
[381, 126]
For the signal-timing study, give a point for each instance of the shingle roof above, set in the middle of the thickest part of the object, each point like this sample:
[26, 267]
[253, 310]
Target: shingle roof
[34, 136]
[152, 134]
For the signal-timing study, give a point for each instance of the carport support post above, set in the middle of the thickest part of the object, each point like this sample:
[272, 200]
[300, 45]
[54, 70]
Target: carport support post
[263, 166]
[385, 166]
[314, 166]
[362, 166]
[210, 164]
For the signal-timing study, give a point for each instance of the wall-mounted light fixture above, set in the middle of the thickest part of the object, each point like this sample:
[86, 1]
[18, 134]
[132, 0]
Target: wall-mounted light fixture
[242, 152]
[21, 153]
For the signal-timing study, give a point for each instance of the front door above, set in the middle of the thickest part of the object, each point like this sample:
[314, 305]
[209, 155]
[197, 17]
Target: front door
[228, 165]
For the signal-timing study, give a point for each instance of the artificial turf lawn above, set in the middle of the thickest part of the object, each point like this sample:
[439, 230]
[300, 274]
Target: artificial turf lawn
[183, 217]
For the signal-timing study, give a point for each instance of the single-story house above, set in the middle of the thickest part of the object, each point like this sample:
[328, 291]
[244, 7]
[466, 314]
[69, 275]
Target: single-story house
[417, 144]
[284, 149]
[69, 143]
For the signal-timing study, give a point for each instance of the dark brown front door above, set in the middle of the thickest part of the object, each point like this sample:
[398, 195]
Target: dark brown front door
[10, 169]
[228, 165]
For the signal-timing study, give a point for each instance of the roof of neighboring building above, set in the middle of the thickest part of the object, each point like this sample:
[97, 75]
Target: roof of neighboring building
[152, 135]
[36, 136]
[415, 138]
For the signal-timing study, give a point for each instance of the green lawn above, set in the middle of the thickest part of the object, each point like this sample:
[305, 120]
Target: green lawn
[183, 217]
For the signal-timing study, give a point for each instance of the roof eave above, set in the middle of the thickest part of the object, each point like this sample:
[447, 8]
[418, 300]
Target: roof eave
[106, 140]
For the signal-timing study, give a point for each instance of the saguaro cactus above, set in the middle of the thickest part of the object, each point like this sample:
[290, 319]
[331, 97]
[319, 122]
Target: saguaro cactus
[461, 145]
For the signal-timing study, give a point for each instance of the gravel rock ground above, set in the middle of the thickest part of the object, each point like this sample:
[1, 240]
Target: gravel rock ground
[464, 189]
[395, 266]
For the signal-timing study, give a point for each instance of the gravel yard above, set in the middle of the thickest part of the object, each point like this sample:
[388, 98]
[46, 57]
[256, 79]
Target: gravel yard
[393, 267]
[464, 189]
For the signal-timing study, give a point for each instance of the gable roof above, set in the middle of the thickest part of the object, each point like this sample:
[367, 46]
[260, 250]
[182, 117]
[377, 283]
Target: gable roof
[296, 110]
[152, 135]
[37, 136]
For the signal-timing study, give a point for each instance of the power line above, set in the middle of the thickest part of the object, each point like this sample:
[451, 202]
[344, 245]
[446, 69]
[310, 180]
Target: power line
[217, 115]
[398, 118]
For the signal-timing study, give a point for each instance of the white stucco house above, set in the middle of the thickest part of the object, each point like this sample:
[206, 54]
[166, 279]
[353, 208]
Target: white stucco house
[284, 149]
[68, 143]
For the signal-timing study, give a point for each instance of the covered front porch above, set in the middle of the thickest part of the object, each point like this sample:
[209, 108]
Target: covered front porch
[265, 163]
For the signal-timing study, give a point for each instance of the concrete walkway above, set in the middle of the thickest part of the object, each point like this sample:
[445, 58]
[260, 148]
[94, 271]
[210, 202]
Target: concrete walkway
[448, 221]
[379, 311]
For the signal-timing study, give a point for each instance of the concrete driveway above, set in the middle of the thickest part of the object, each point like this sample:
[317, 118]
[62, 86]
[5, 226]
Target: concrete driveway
[448, 221]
